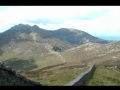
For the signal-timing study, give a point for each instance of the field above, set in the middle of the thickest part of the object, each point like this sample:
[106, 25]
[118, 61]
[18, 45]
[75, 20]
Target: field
[55, 77]
[104, 76]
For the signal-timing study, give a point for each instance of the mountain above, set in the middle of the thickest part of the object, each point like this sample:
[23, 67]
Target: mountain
[22, 32]
[28, 47]
[76, 37]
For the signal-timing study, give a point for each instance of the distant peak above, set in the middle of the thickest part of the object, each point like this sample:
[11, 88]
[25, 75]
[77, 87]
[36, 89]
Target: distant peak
[35, 26]
[70, 30]
[21, 25]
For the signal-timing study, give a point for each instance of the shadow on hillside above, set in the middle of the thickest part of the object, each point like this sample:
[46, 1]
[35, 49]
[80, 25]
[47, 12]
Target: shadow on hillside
[21, 64]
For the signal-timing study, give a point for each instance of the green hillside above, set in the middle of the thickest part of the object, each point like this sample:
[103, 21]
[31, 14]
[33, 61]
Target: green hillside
[104, 76]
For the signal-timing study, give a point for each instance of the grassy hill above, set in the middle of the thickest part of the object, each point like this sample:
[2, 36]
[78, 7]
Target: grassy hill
[100, 54]
[104, 76]
[41, 55]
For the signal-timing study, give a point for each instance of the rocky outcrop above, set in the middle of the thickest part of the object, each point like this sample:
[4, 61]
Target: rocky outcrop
[9, 77]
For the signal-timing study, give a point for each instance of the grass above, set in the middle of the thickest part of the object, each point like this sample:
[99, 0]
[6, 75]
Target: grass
[104, 76]
[48, 59]
[57, 77]
[42, 54]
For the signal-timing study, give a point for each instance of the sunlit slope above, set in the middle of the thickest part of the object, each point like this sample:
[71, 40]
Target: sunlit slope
[105, 54]
[21, 54]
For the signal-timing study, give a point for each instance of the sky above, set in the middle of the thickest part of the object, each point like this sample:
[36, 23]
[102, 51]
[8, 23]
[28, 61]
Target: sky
[101, 21]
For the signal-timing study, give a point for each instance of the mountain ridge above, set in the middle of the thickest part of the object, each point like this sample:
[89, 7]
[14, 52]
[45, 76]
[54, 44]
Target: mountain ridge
[25, 44]
[72, 33]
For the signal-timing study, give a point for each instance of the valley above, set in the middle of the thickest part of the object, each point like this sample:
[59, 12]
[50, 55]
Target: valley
[38, 53]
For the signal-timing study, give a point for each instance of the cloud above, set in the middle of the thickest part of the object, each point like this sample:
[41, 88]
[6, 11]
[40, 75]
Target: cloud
[45, 21]
[96, 20]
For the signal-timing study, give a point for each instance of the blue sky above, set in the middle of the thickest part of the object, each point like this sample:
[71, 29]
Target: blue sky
[101, 21]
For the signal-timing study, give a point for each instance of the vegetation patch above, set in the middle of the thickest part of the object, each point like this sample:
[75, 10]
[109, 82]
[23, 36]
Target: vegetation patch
[20, 64]
[58, 77]
[104, 76]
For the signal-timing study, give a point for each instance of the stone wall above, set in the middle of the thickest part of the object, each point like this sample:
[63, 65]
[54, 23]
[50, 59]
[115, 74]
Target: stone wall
[82, 77]
[9, 77]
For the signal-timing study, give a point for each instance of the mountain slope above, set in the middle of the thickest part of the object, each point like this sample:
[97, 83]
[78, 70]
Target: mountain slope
[22, 32]
[20, 55]
[100, 54]
[76, 37]
[30, 47]
[22, 45]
